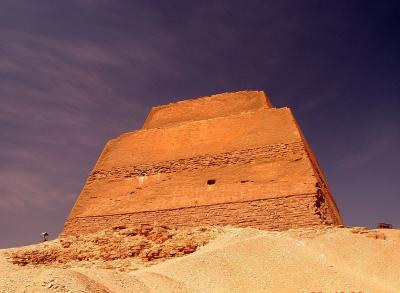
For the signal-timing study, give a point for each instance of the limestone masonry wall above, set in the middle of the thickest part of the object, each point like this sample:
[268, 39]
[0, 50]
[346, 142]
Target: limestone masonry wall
[263, 126]
[273, 214]
[268, 152]
[227, 159]
[269, 171]
[205, 108]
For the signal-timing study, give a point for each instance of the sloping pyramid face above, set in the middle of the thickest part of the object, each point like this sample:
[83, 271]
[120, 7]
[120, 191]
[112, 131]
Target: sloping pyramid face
[227, 159]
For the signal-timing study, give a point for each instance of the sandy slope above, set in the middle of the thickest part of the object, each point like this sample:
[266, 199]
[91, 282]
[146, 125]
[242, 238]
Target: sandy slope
[239, 260]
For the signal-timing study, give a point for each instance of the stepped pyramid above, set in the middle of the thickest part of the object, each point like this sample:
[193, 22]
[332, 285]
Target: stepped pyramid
[226, 159]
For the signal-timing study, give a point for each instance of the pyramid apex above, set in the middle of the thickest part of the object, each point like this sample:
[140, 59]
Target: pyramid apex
[206, 107]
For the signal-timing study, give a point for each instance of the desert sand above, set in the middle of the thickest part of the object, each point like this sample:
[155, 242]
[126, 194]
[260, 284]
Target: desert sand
[235, 260]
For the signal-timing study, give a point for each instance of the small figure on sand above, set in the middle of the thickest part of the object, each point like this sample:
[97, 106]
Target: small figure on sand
[44, 236]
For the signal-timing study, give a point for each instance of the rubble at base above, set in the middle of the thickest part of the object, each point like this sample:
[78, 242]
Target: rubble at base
[145, 242]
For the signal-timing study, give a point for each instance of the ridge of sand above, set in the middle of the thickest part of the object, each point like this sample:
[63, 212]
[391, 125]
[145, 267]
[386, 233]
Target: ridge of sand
[239, 260]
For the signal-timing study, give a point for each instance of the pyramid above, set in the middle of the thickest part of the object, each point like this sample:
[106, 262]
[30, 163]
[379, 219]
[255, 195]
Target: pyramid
[226, 159]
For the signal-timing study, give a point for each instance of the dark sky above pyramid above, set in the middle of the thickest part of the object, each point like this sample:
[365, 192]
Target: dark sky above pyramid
[74, 74]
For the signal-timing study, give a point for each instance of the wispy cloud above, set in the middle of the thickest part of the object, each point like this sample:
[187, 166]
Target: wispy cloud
[74, 74]
[51, 95]
[374, 148]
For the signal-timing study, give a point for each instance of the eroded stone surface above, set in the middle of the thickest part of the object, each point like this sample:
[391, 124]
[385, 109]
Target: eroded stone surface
[142, 241]
[204, 108]
[227, 159]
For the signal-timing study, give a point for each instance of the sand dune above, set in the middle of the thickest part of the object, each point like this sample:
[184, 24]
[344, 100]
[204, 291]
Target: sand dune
[238, 260]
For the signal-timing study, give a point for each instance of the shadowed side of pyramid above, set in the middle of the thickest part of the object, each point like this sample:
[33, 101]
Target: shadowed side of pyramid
[227, 159]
